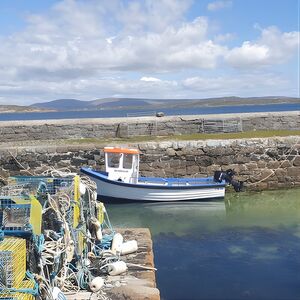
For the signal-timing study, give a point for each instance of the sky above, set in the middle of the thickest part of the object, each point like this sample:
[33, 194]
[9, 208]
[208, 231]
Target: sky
[91, 49]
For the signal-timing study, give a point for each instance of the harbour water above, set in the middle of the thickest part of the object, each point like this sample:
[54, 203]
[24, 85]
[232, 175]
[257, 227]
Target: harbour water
[116, 113]
[246, 247]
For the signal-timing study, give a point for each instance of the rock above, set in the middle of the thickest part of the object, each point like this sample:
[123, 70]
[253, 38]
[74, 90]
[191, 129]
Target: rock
[160, 114]
[296, 161]
[170, 152]
[192, 170]
[293, 171]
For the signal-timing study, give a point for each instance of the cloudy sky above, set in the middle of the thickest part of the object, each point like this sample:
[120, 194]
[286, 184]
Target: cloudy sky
[89, 49]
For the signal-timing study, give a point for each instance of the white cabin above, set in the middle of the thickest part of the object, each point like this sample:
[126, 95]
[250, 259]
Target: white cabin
[122, 164]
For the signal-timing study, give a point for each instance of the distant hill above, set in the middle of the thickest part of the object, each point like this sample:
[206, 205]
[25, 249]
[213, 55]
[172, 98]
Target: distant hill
[123, 102]
[126, 103]
[20, 108]
[64, 104]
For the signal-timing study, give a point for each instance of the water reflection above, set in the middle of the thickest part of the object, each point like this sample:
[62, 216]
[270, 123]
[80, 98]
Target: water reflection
[246, 247]
[179, 218]
[267, 209]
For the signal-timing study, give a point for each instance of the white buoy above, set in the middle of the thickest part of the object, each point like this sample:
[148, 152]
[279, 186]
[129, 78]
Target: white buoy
[117, 268]
[82, 188]
[57, 294]
[97, 227]
[86, 262]
[117, 241]
[94, 196]
[96, 284]
[70, 250]
[129, 247]
[99, 234]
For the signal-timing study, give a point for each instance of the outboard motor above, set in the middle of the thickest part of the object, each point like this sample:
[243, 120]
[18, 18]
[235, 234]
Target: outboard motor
[237, 185]
[228, 175]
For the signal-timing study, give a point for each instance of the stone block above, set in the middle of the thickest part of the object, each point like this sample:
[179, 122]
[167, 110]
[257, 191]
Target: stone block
[261, 164]
[64, 163]
[285, 164]
[251, 166]
[192, 170]
[78, 161]
[181, 172]
[281, 173]
[273, 164]
[211, 169]
[170, 152]
[293, 171]
[165, 145]
[204, 161]
[296, 161]
[175, 163]
[160, 164]
[145, 167]
[158, 173]
[241, 159]
[272, 185]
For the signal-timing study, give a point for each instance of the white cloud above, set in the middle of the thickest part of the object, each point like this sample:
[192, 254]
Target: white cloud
[250, 84]
[217, 5]
[248, 55]
[150, 79]
[89, 49]
[273, 47]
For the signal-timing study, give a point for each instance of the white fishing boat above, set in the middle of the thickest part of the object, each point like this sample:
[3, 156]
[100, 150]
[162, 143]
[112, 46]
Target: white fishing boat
[121, 181]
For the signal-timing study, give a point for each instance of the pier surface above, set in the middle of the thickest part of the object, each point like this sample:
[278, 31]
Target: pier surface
[136, 283]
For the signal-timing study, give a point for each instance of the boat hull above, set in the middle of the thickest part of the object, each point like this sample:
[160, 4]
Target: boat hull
[114, 191]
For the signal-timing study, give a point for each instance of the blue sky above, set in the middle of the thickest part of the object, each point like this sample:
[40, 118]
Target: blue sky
[88, 49]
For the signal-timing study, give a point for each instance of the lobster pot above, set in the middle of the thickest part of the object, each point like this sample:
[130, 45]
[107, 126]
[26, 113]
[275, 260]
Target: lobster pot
[12, 261]
[20, 216]
[25, 284]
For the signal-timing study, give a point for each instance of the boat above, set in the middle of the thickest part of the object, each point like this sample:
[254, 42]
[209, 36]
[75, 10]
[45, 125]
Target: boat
[120, 182]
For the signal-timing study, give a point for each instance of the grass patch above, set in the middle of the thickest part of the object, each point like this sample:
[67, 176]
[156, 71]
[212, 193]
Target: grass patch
[186, 137]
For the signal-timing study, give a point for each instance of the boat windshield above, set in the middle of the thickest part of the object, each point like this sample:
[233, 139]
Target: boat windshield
[113, 160]
[127, 161]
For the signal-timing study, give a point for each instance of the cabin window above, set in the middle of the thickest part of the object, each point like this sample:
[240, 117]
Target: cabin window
[113, 160]
[127, 161]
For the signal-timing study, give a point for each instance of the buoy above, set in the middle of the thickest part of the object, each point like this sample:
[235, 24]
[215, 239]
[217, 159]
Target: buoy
[128, 247]
[57, 294]
[94, 196]
[117, 268]
[82, 188]
[96, 284]
[117, 241]
[86, 262]
[70, 250]
[97, 226]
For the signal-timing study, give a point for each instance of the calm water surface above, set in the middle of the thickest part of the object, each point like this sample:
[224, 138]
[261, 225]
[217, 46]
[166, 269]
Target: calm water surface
[168, 112]
[246, 247]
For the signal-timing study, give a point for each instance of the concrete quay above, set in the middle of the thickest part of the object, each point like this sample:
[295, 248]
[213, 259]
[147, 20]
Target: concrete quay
[137, 283]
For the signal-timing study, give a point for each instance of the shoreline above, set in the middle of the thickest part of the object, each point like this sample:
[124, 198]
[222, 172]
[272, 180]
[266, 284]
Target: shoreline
[159, 119]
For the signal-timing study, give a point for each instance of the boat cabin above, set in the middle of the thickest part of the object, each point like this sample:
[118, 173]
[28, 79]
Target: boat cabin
[122, 164]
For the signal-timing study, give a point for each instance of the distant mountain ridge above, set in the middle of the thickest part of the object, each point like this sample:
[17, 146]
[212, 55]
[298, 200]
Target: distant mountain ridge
[119, 103]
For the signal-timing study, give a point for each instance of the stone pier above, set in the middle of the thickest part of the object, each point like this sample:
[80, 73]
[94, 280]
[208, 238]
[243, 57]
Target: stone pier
[136, 283]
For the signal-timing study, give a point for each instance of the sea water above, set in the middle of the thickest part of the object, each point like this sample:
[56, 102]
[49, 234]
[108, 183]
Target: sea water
[112, 113]
[245, 247]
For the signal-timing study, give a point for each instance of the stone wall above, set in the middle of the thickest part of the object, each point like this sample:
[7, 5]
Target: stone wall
[262, 163]
[14, 131]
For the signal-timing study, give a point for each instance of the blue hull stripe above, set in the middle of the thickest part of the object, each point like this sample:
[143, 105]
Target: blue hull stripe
[103, 177]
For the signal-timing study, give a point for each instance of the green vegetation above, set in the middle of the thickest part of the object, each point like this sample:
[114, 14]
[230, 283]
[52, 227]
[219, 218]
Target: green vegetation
[186, 137]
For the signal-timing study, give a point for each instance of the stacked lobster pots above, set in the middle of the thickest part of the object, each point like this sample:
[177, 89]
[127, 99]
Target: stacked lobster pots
[56, 239]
